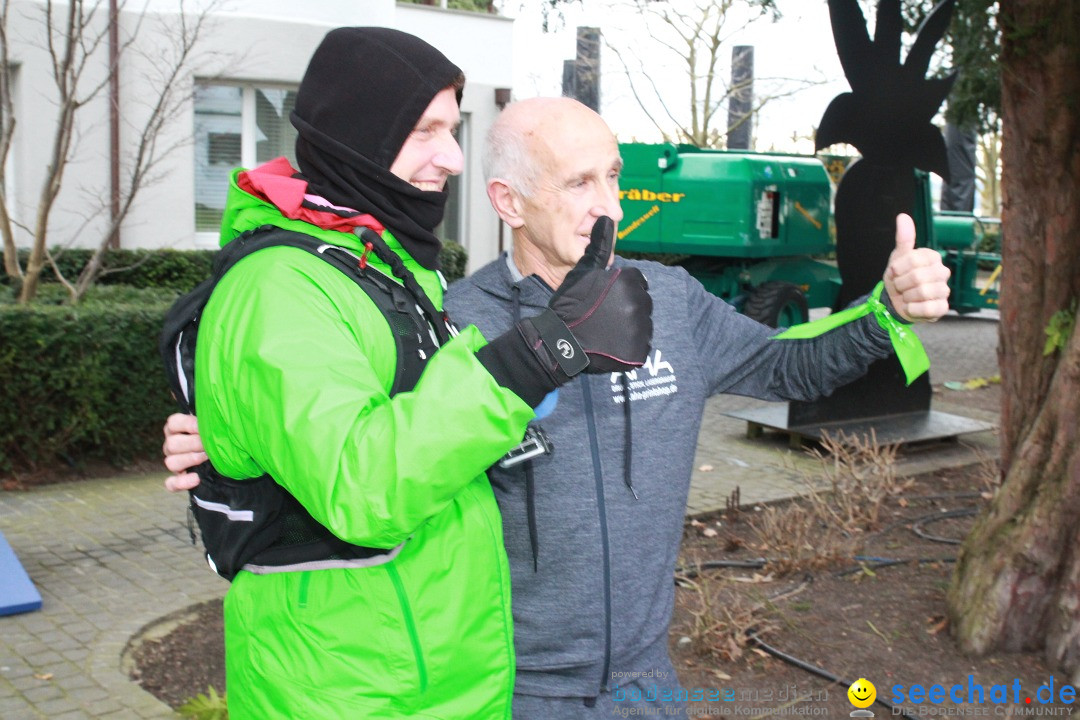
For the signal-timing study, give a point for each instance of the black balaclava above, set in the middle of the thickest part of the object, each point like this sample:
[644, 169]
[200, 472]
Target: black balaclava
[362, 94]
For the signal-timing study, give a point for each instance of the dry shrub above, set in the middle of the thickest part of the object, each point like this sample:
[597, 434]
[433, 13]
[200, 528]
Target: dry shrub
[987, 472]
[857, 477]
[721, 615]
[860, 476]
[794, 537]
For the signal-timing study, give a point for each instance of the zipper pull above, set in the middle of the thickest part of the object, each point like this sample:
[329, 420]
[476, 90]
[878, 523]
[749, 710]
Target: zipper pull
[368, 247]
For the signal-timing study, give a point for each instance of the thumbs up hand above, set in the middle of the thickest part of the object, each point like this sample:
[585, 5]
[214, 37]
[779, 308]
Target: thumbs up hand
[915, 278]
[598, 321]
[596, 256]
[609, 312]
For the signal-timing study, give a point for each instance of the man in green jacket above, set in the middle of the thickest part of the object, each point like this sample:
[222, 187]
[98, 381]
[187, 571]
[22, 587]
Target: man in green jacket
[295, 366]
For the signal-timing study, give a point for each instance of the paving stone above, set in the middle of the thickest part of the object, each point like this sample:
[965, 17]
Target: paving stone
[28, 682]
[83, 686]
[77, 714]
[76, 654]
[52, 638]
[106, 707]
[44, 658]
[79, 635]
[61, 705]
[17, 708]
[35, 623]
[42, 693]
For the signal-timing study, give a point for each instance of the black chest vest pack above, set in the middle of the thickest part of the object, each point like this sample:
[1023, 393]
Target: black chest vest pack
[256, 524]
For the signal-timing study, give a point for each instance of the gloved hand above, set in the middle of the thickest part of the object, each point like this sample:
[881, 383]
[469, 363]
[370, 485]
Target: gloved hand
[598, 321]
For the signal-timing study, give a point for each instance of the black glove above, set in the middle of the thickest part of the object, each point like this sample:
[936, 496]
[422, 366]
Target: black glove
[598, 321]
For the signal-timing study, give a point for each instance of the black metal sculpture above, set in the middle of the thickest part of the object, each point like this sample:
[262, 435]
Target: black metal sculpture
[887, 117]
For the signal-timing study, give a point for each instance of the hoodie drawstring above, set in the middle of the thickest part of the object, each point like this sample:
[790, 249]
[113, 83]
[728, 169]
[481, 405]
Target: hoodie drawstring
[628, 436]
[530, 479]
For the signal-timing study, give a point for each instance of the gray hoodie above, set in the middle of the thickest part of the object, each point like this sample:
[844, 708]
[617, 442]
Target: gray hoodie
[608, 503]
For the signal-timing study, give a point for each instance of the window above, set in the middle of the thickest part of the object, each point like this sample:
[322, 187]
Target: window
[235, 126]
[225, 148]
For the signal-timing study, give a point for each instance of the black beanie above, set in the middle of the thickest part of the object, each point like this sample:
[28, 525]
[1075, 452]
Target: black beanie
[361, 96]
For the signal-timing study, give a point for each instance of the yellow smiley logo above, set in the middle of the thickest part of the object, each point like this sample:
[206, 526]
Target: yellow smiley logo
[862, 693]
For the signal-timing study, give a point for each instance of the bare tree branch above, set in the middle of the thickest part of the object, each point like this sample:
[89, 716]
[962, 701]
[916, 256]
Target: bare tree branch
[656, 93]
[74, 39]
[166, 106]
[695, 36]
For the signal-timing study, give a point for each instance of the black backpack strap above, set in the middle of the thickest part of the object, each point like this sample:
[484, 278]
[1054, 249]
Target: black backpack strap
[412, 331]
[440, 322]
[178, 336]
[256, 523]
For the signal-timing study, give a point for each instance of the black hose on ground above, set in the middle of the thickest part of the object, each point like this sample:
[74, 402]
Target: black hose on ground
[918, 525]
[877, 563]
[753, 639]
[692, 571]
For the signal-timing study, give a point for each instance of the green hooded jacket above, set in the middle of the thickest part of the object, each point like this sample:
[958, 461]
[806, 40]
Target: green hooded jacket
[294, 364]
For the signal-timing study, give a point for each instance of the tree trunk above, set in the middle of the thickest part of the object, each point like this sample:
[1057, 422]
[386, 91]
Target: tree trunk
[11, 258]
[1017, 580]
[36, 262]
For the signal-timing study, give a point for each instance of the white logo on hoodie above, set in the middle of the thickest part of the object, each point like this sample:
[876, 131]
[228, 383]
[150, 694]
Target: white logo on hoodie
[656, 378]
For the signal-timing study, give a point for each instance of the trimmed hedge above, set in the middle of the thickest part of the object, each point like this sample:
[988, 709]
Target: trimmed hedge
[180, 269]
[453, 258]
[82, 383]
[171, 269]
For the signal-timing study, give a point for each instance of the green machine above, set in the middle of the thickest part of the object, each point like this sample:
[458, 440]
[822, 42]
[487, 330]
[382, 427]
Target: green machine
[754, 228]
[969, 246]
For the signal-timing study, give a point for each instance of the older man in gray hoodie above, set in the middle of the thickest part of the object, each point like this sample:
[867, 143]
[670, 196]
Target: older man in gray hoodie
[592, 528]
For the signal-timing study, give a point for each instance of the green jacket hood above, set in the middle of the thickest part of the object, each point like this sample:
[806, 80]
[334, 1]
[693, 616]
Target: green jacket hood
[245, 211]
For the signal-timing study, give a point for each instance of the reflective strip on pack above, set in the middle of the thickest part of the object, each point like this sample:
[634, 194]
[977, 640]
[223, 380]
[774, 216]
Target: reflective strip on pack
[234, 515]
[353, 563]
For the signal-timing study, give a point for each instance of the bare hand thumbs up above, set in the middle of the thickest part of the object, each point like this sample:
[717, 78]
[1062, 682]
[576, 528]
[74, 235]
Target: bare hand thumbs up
[916, 278]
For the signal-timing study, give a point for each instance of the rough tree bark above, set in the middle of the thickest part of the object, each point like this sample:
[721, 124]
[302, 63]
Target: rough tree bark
[1017, 580]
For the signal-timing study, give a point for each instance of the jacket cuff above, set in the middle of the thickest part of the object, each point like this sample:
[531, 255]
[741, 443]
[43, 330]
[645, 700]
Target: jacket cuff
[516, 367]
[887, 302]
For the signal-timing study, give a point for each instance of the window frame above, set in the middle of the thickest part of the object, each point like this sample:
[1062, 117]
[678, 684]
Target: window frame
[248, 136]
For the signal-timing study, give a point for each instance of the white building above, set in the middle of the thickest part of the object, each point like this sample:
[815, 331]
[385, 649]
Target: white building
[236, 101]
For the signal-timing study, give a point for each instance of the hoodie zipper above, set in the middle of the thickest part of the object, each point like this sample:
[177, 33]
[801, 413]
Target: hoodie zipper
[598, 476]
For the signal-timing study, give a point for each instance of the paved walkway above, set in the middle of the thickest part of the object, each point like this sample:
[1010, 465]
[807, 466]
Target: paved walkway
[108, 557]
[112, 557]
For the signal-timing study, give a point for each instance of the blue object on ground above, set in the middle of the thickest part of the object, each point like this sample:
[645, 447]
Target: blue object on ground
[17, 593]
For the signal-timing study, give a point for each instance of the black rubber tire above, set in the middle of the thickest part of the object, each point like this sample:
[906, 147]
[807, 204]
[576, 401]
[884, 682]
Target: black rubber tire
[772, 302]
